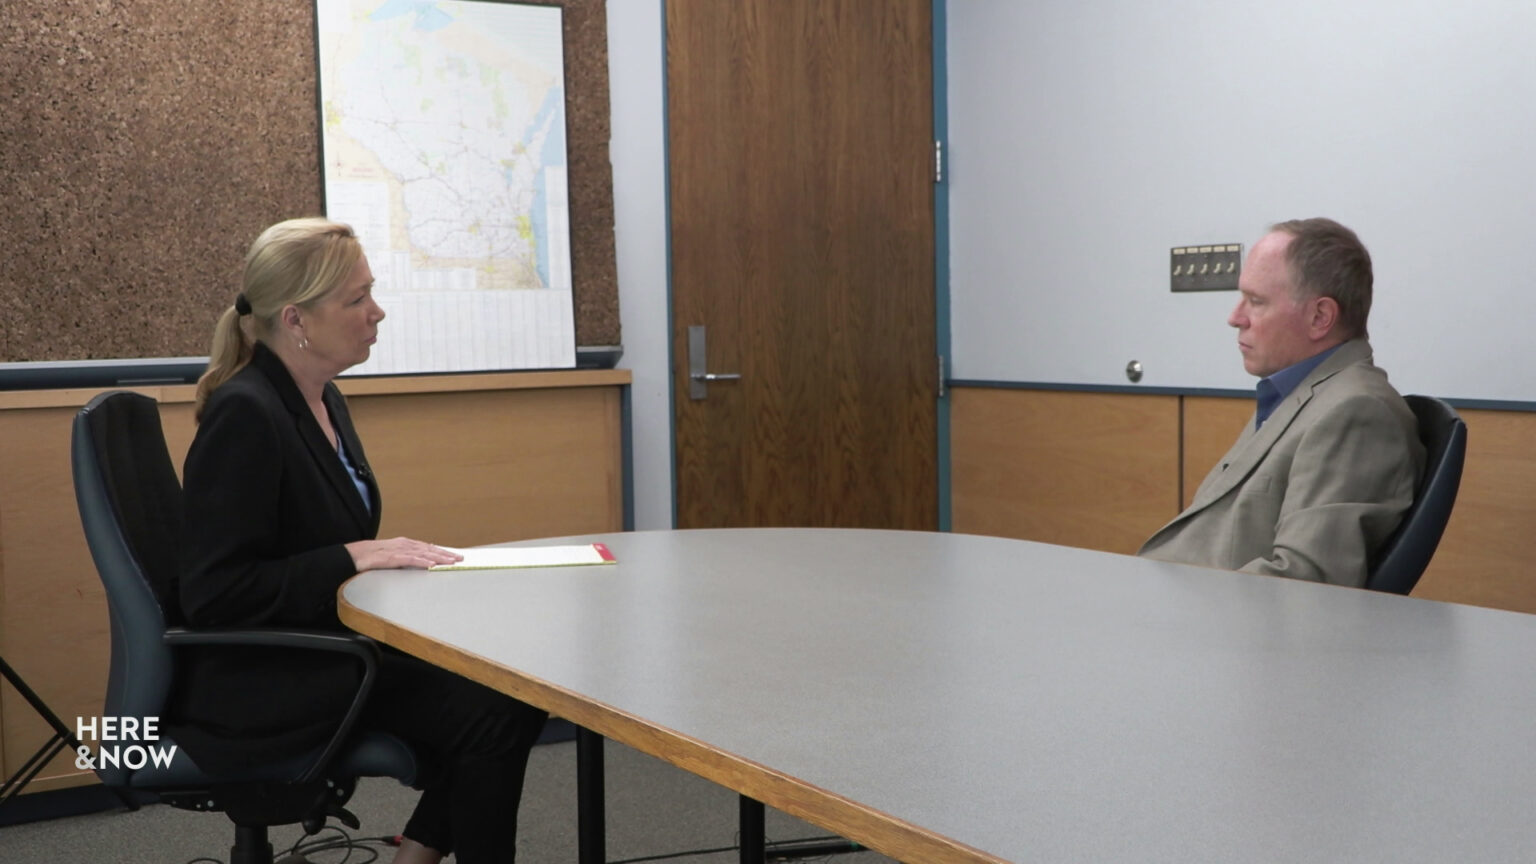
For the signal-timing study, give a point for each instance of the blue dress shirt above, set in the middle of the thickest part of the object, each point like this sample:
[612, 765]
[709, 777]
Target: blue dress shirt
[362, 488]
[1273, 390]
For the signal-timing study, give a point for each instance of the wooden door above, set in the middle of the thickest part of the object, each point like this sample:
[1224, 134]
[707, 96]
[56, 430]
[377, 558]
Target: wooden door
[800, 138]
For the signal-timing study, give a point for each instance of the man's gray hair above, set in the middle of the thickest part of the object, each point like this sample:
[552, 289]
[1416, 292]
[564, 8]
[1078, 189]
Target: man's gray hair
[1328, 260]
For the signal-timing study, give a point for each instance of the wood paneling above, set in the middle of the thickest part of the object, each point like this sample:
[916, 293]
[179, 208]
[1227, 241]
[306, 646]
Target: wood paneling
[1211, 427]
[1099, 471]
[1063, 467]
[1486, 555]
[524, 457]
[508, 465]
[53, 616]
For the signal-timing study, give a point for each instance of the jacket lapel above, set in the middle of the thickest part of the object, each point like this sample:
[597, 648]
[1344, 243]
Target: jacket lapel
[1254, 444]
[319, 447]
[1251, 448]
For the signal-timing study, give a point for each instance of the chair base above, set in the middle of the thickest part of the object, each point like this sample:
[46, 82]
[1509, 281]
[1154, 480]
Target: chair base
[259, 804]
[255, 807]
[251, 845]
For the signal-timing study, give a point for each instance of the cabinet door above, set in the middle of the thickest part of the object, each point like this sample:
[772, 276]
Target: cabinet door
[1095, 470]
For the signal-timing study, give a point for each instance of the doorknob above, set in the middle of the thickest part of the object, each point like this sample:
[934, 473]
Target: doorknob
[698, 378]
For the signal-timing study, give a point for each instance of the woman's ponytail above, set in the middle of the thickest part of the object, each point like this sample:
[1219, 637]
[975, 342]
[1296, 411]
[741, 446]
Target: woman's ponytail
[230, 352]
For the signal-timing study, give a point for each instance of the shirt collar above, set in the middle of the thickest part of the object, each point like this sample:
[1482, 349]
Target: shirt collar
[1272, 391]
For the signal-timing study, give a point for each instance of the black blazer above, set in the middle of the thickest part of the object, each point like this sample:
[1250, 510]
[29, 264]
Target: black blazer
[269, 507]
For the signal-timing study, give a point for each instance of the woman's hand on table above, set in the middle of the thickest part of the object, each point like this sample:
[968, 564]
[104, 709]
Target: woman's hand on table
[399, 552]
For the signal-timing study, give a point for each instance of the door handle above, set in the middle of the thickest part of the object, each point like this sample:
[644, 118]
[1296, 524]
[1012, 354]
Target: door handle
[698, 376]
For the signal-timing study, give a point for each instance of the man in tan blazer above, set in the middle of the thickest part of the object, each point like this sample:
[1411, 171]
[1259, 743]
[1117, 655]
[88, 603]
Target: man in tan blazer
[1332, 458]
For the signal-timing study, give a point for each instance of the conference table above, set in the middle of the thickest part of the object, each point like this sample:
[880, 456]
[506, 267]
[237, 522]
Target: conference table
[948, 697]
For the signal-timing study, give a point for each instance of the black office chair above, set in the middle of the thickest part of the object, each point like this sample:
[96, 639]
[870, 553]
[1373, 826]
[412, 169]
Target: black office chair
[1407, 552]
[130, 506]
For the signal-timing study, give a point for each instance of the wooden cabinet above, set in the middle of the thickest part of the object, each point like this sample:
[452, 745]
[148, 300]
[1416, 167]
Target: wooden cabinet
[1096, 470]
[1105, 470]
[1485, 556]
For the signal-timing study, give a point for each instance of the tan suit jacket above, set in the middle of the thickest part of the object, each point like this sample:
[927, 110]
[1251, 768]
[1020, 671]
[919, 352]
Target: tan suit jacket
[1313, 492]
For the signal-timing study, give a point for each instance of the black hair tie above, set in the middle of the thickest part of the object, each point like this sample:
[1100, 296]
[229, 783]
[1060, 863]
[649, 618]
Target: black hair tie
[242, 305]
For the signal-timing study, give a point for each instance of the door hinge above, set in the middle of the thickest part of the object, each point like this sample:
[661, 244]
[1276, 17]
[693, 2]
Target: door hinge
[941, 376]
[938, 161]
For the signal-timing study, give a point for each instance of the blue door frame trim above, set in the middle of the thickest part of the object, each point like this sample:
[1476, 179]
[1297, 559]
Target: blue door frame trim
[941, 255]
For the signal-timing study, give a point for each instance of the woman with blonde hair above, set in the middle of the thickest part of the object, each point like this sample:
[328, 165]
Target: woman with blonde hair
[281, 508]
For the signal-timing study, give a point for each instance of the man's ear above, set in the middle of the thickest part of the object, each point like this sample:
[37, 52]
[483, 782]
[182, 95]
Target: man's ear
[1325, 315]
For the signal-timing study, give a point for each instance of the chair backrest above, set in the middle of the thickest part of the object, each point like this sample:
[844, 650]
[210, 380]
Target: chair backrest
[130, 508]
[1407, 552]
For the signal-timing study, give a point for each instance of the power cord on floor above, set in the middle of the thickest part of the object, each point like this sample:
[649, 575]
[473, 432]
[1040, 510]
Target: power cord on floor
[329, 839]
[332, 838]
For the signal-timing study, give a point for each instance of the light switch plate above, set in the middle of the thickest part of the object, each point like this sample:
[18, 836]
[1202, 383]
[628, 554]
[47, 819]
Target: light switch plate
[1212, 267]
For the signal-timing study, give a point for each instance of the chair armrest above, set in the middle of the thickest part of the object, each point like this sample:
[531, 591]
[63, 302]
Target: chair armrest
[357, 645]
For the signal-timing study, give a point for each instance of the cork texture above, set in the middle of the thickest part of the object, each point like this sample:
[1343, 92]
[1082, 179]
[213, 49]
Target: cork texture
[145, 143]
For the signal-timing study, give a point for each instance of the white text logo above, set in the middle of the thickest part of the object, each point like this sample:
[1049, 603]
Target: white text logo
[121, 742]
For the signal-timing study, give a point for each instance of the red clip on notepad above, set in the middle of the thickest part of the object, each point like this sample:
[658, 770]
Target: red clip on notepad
[507, 557]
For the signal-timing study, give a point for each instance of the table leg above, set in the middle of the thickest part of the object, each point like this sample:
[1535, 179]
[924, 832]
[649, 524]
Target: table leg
[591, 841]
[753, 842]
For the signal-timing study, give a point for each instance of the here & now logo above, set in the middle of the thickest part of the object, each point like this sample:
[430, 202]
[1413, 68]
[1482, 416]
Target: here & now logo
[121, 742]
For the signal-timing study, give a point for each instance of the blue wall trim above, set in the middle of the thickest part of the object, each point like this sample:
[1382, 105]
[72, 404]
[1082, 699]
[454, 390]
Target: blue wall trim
[941, 252]
[1491, 404]
[1100, 388]
[1467, 404]
[627, 453]
[70, 374]
[666, 162]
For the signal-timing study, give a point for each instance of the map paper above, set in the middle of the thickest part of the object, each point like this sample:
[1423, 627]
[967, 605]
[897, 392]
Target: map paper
[443, 135]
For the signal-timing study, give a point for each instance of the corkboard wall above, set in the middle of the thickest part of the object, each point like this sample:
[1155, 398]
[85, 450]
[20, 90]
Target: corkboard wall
[145, 143]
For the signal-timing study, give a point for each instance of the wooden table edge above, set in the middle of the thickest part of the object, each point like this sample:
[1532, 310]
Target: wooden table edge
[869, 827]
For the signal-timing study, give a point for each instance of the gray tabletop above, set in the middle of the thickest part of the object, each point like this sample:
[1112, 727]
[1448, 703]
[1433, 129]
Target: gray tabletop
[1022, 701]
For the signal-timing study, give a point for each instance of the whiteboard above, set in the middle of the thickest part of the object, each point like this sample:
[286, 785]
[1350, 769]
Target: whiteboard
[443, 145]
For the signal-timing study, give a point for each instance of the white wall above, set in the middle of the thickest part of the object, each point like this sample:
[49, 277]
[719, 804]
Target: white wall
[1087, 138]
[637, 88]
